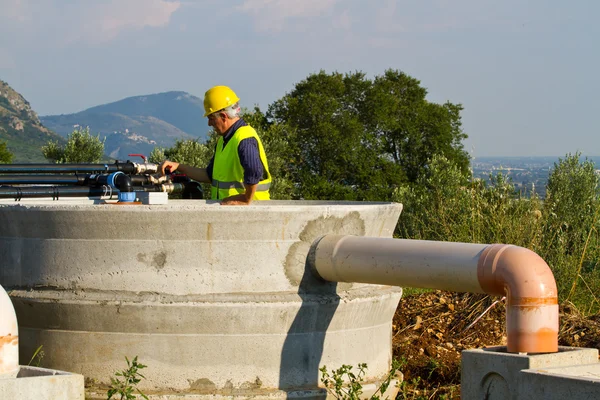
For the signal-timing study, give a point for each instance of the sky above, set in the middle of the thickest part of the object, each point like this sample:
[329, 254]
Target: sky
[526, 72]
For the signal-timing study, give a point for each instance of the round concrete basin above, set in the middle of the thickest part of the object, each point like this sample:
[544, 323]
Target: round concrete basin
[214, 300]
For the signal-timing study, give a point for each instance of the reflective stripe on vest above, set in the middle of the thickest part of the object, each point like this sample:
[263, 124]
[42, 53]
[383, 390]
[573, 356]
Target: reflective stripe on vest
[239, 185]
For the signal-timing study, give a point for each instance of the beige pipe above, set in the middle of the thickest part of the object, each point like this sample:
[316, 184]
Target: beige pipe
[9, 338]
[518, 273]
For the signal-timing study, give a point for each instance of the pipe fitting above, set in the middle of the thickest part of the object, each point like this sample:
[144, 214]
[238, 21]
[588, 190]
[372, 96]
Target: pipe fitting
[531, 293]
[9, 338]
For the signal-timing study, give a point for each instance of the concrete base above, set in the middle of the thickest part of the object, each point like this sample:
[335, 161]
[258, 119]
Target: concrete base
[492, 373]
[42, 384]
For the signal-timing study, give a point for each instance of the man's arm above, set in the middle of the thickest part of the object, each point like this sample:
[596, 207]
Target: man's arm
[242, 199]
[197, 174]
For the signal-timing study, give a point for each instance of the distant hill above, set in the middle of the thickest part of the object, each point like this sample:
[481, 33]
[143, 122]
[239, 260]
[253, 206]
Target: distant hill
[138, 124]
[21, 128]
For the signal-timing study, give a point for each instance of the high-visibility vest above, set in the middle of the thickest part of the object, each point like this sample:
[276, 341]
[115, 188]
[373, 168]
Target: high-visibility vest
[228, 173]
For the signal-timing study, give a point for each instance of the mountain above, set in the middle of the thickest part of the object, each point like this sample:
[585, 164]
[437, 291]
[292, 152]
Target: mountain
[21, 128]
[138, 124]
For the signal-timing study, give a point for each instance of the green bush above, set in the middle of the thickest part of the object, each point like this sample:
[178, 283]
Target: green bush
[447, 205]
[81, 147]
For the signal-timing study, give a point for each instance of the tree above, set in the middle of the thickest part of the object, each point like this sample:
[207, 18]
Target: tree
[81, 147]
[5, 155]
[413, 130]
[333, 156]
[356, 139]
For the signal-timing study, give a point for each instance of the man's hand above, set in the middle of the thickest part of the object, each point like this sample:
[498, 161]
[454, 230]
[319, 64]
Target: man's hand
[242, 199]
[237, 200]
[171, 166]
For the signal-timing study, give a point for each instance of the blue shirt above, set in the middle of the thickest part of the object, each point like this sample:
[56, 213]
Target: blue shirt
[248, 153]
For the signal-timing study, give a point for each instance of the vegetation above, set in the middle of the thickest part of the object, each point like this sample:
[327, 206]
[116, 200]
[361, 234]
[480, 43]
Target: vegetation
[20, 127]
[81, 147]
[446, 204]
[124, 384]
[344, 384]
[5, 155]
[37, 357]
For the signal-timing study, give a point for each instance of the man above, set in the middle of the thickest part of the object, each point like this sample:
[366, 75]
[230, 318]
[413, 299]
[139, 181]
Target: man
[238, 172]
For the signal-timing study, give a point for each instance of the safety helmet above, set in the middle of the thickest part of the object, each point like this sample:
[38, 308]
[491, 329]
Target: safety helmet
[218, 98]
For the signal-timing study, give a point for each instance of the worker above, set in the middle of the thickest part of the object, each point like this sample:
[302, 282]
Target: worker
[238, 171]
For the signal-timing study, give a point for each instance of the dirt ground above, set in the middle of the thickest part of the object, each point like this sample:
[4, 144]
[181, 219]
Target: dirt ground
[431, 329]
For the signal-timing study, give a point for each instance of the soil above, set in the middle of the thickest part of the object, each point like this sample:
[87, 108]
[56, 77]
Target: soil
[431, 329]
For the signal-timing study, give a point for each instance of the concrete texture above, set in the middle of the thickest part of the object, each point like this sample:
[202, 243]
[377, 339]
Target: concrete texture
[42, 384]
[215, 300]
[492, 373]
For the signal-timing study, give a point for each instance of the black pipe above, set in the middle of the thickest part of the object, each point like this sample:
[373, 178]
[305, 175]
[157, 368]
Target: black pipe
[44, 179]
[126, 167]
[56, 192]
[77, 179]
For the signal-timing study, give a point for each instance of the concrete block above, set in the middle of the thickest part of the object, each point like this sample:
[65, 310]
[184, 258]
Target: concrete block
[152, 197]
[574, 382]
[492, 373]
[42, 384]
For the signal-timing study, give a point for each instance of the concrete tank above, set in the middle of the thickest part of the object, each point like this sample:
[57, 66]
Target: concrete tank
[214, 300]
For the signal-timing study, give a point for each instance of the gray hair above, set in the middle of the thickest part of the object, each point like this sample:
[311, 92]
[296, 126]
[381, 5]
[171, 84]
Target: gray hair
[233, 110]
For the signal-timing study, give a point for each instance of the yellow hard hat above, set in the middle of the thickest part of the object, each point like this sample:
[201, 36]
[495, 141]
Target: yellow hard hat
[218, 98]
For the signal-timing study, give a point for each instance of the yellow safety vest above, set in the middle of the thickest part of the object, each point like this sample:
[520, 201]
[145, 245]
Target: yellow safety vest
[228, 174]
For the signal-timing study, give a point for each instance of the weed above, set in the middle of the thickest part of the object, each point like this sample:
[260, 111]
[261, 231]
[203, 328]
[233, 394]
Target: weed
[37, 357]
[125, 382]
[344, 384]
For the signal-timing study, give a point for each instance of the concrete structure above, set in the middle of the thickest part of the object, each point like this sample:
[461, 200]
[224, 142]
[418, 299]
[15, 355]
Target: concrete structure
[42, 384]
[215, 300]
[494, 374]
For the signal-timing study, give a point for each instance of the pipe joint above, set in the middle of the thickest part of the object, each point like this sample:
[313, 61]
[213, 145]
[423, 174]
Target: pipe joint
[531, 293]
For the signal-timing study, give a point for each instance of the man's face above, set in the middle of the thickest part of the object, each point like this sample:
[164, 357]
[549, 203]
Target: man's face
[218, 121]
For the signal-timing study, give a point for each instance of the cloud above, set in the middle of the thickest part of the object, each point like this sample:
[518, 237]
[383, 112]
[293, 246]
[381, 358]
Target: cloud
[16, 10]
[95, 22]
[118, 15]
[272, 15]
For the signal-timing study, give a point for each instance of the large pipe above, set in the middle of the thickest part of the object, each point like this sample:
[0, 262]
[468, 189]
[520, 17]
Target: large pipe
[76, 179]
[9, 338]
[56, 192]
[126, 167]
[498, 269]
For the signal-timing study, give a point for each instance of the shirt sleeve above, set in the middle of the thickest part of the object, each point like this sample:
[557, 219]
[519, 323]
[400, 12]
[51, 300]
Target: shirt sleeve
[250, 160]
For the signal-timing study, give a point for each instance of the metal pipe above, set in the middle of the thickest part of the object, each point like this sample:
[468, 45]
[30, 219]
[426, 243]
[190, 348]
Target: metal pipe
[126, 167]
[76, 179]
[43, 179]
[56, 192]
[499, 269]
[9, 338]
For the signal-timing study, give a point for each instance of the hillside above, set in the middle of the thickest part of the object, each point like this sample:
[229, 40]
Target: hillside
[138, 124]
[21, 128]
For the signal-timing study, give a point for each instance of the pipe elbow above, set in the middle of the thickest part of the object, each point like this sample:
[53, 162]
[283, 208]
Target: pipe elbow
[532, 296]
[517, 272]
